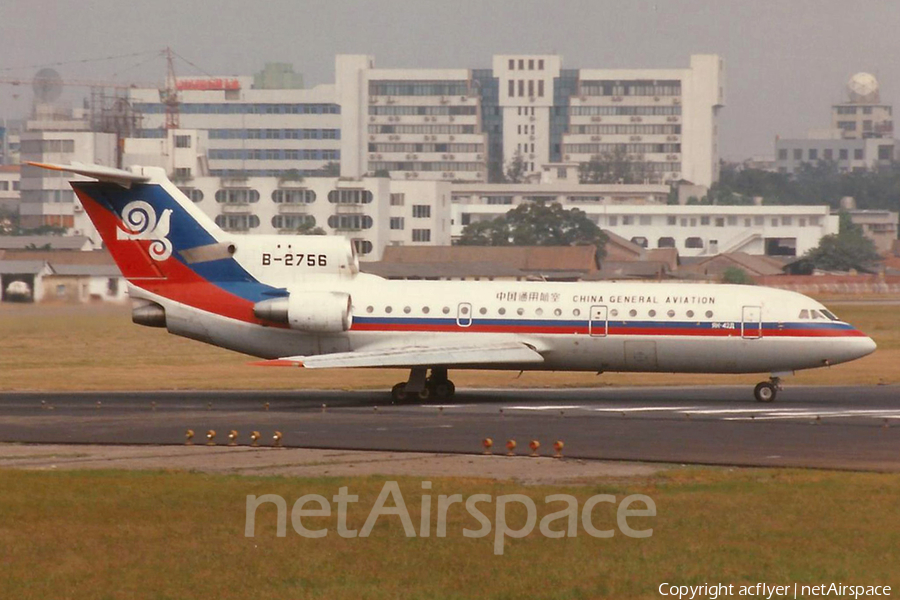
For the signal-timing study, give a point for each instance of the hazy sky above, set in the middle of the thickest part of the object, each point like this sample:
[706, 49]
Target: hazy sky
[786, 60]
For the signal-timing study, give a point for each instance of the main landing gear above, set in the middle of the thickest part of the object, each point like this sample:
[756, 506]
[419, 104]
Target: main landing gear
[765, 391]
[422, 388]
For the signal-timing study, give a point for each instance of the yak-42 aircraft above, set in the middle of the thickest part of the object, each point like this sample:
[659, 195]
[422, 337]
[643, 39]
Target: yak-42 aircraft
[301, 301]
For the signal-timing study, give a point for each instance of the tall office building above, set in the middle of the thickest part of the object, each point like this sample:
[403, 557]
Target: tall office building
[469, 124]
[265, 125]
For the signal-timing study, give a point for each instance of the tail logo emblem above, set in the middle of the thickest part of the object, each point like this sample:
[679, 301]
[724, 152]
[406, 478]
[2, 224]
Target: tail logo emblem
[140, 223]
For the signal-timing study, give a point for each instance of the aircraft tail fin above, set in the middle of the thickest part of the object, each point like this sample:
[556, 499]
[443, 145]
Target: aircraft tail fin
[152, 230]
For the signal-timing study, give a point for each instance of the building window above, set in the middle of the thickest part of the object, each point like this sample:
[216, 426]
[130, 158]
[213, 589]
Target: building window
[644, 220]
[627, 220]
[843, 154]
[671, 220]
[398, 199]
[521, 64]
[782, 154]
[512, 88]
[193, 193]
[350, 222]
[350, 196]
[798, 154]
[363, 247]
[237, 196]
[541, 64]
[885, 152]
[720, 221]
[813, 154]
[512, 64]
[293, 196]
[541, 88]
[640, 241]
[396, 222]
[531, 64]
[665, 242]
[293, 222]
[112, 286]
[421, 235]
[613, 221]
[857, 154]
[787, 221]
[704, 220]
[829, 154]
[421, 211]
[732, 221]
[182, 141]
[693, 242]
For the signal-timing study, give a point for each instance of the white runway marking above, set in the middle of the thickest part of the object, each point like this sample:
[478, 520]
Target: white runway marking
[723, 411]
[646, 409]
[552, 407]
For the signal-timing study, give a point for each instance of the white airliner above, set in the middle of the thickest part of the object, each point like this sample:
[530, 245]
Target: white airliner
[301, 301]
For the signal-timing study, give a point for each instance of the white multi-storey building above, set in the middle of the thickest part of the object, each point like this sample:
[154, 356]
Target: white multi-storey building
[373, 212]
[641, 215]
[262, 126]
[60, 137]
[461, 124]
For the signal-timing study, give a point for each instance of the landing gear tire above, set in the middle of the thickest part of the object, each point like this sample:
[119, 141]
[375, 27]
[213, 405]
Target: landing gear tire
[424, 394]
[444, 390]
[398, 393]
[765, 391]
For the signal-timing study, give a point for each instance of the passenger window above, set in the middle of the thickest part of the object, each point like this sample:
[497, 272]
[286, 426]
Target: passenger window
[388, 309]
[804, 314]
[406, 309]
[709, 314]
[557, 312]
[576, 312]
[539, 311]
[671, 313]
[614, 312]
[370, 309]
[445, 310]
[425, 310]
[632, 313]
[482, 310]
[690, 314]
[520, 312]
[652, 313]
[502, 311]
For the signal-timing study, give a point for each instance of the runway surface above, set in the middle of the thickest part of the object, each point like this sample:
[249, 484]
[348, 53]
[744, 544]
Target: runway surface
[825, 427]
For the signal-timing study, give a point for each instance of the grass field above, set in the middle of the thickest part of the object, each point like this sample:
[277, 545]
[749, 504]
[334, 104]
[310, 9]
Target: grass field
[96, 347]
[112, 534]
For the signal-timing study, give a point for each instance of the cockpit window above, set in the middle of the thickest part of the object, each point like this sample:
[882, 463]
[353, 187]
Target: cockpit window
[804, 314]
[829, 314]
[815, 314]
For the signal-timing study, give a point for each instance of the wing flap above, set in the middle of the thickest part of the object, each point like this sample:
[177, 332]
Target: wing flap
[419, 356]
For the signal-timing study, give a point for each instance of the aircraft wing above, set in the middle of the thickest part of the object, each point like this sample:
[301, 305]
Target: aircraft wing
[418, 356]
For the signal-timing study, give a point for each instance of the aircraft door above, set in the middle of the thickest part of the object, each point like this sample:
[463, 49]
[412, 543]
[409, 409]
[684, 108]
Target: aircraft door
[751, 325]
[464, 314]
[597, 326]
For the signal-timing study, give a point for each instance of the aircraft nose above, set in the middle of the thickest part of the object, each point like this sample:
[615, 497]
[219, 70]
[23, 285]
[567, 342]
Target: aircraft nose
[866, 346]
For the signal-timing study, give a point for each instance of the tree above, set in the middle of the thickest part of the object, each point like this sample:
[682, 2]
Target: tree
[616, 166]
[846, 250]
[309, 228]
[330, 169]
[736, 275]
[536, 224]
[515, 171]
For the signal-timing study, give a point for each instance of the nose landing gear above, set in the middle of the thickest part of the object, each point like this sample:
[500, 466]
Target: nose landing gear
[421, 388]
